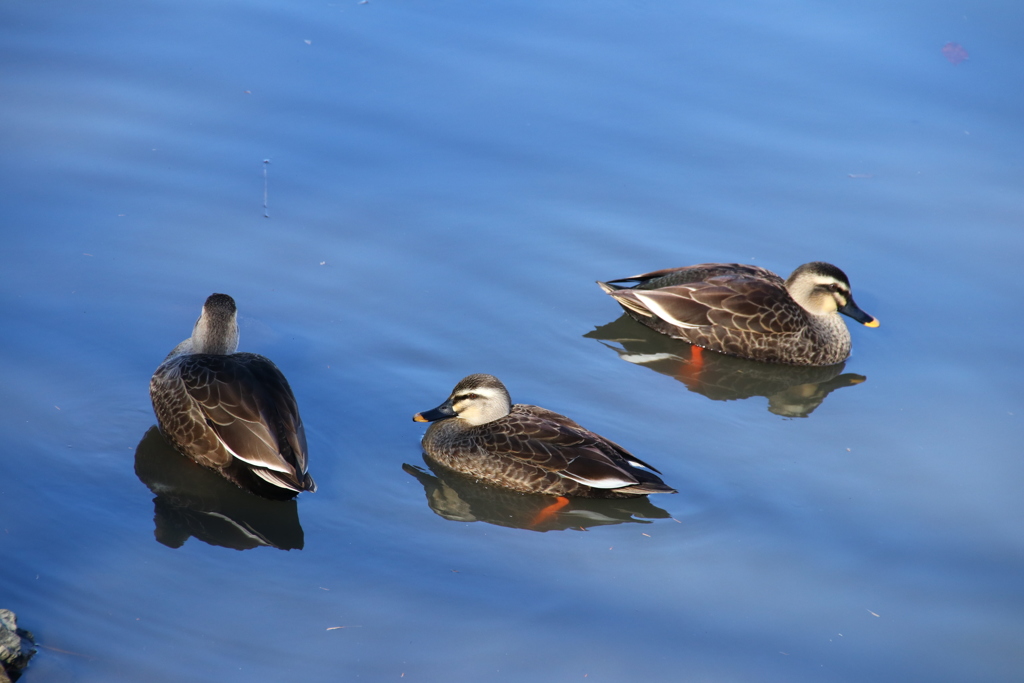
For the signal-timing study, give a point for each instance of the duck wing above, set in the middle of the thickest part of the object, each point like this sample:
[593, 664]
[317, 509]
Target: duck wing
[248, 404]
[701, 271]
[555, 443]
[731, 301]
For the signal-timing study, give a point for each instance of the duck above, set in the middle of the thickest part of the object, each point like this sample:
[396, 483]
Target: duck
[748, 311]
[231, 412]
[478, 432]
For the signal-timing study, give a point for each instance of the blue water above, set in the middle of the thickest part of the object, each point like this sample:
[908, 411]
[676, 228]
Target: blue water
[445, 183]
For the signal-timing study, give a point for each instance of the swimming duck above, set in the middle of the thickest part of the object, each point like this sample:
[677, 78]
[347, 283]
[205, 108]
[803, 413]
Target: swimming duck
[231, 412]
[748, 311]
[478, 432]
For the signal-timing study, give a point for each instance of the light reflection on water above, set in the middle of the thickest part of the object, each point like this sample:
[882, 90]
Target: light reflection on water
[445, 186]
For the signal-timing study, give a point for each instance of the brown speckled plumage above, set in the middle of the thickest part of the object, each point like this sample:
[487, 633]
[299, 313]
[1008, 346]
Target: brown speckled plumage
[533, 450]
[746, 311]
[232, 412]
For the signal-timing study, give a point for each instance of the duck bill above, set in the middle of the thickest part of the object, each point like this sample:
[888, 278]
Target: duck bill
[852, 310]
[441, 412]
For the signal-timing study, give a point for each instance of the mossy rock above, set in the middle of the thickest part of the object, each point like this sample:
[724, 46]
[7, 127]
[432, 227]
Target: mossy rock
[16, 647]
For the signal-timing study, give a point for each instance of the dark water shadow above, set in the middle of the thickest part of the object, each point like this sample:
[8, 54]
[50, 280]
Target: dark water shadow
[463, 499]
[791, 390]
[192, 501]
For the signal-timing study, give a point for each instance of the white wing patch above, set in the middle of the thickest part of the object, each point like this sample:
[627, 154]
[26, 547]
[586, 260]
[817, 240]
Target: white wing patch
[623, 296]
[274, 479]
[651, 300]
[275, 462]
[606, 482]
[277, 465]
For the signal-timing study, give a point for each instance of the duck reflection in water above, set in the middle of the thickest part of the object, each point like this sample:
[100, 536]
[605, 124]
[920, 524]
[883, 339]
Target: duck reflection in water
[194, 501]
[464, 499]
[791, 390]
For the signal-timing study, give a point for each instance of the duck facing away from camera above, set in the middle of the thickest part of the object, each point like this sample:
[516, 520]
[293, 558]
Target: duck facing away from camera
[479, 433]
[231, 412]
[748, 311]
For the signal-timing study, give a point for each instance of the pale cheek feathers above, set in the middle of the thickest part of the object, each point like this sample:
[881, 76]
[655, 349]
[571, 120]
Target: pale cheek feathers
[825, 302]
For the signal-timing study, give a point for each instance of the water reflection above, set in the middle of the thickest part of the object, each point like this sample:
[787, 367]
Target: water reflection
[792, 391]
[192, 501]
[462, 499]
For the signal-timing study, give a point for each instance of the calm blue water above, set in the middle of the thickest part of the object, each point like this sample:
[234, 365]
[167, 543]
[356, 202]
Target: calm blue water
[445, 183]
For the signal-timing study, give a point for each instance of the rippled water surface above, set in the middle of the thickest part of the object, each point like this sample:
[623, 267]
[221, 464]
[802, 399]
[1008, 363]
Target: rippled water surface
[444, 182]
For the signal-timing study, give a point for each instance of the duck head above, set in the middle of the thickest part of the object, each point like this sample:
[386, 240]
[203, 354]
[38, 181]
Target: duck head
[820, 288]
[216, 331]
[477, 399]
